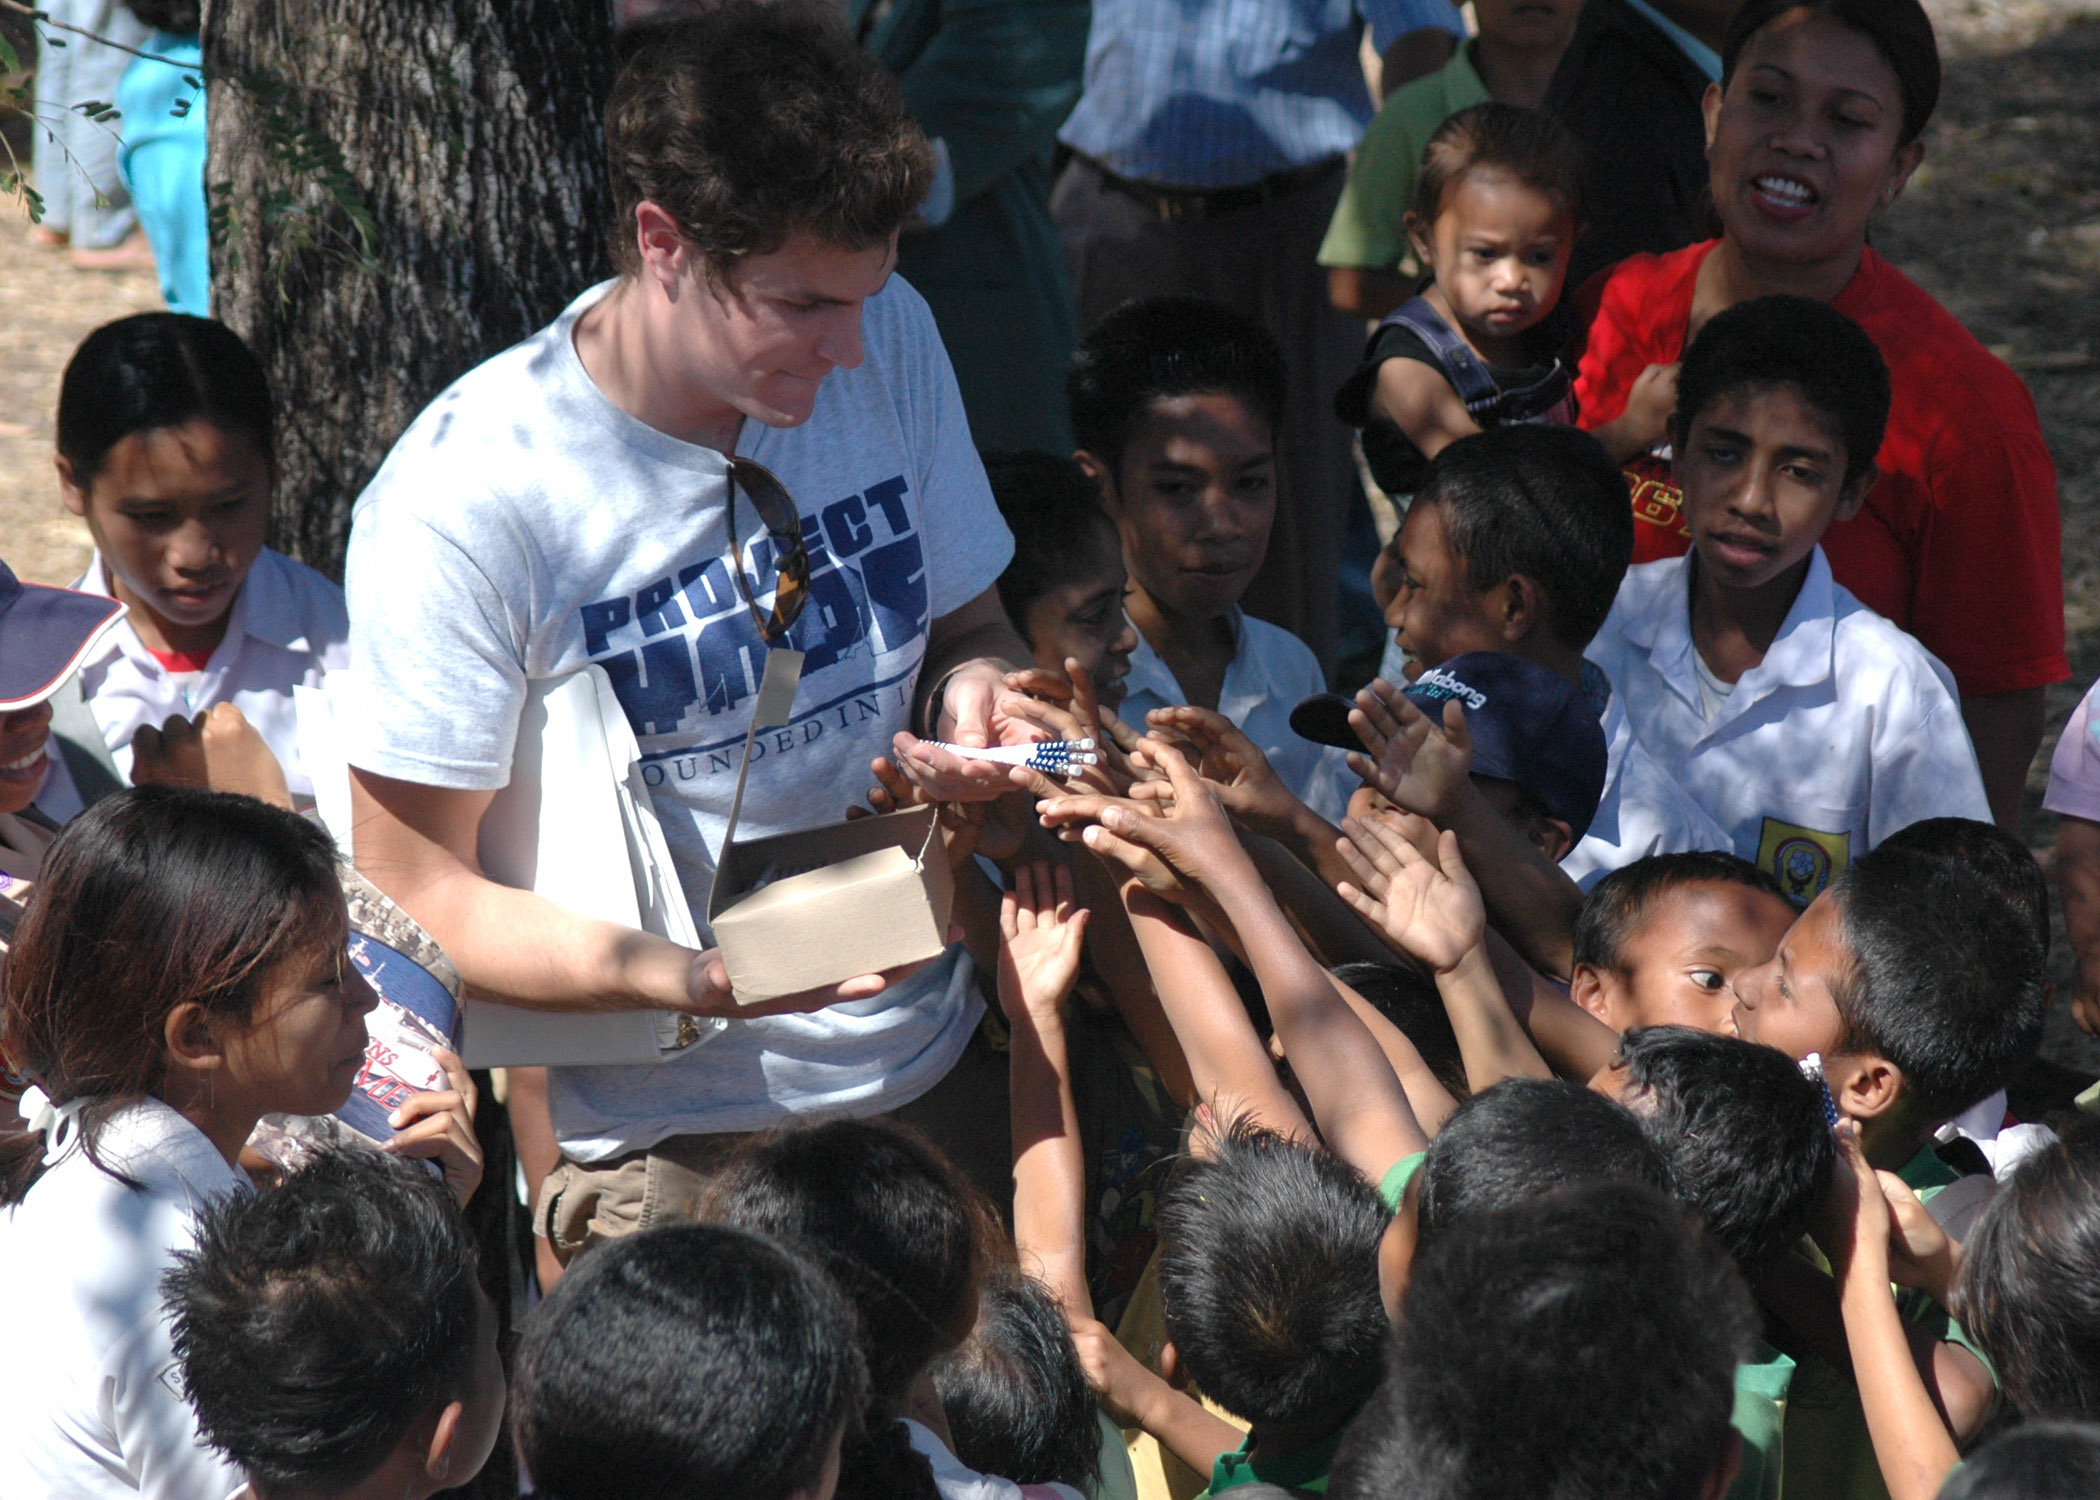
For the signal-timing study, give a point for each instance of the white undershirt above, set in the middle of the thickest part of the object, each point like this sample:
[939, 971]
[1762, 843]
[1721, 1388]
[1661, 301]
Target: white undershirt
[1713, 692]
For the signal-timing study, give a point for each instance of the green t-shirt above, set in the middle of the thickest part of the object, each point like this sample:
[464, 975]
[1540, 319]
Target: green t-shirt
[1393, 1186]
[1760, 1416]
[1305, 1469]
[1829, 1454]
[1368, 227]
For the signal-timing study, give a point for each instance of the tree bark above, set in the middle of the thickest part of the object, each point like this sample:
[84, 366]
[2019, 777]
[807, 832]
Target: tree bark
[399, 191]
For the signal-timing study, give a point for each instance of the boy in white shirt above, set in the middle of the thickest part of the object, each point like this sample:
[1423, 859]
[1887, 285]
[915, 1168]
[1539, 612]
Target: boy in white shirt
[1175, 403]
[1810, 727]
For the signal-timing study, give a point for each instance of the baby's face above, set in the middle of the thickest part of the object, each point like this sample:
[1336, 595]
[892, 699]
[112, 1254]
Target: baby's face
[1790, 1002]
[1683, 963]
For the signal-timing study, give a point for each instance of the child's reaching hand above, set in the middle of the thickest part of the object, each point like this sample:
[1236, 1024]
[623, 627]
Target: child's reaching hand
[1040, 937]
[1429, 908]
[1191, 835]
[1233, 767]
[1921, 1253]
[1414, 763]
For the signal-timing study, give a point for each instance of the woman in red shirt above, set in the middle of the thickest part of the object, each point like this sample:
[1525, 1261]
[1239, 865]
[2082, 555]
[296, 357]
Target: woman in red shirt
[1815, 125]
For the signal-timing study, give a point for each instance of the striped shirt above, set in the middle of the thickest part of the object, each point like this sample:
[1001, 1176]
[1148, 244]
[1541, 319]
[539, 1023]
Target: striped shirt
[1220, 93]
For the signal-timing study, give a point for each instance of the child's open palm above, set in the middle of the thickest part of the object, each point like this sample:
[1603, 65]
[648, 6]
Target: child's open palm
[1041, 933]
[1232, 765]
[1428, 908]
[1414, 762]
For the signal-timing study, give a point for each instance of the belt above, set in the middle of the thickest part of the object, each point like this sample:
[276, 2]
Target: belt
[1177, 205]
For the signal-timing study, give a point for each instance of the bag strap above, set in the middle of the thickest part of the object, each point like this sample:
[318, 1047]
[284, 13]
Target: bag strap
[81, 746]
[1461, 366]
[1548, 399]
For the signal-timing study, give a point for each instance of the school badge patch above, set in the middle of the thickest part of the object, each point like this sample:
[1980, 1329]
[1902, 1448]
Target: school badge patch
[1802, 860]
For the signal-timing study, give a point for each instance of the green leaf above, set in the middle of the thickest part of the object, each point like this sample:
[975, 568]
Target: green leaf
[10, 60]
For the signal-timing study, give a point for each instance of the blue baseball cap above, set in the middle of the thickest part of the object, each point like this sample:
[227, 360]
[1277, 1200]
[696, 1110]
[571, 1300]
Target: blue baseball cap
[1529, 725]
[45, 634]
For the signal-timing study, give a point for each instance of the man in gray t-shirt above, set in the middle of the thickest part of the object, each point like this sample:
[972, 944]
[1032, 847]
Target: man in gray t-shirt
[569, 502]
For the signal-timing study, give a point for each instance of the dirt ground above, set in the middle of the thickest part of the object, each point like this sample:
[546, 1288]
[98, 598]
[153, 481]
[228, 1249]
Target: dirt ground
[45, 308]
[2002, 224]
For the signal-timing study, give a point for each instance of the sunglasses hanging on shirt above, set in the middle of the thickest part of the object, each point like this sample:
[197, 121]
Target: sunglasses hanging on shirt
[783, 522]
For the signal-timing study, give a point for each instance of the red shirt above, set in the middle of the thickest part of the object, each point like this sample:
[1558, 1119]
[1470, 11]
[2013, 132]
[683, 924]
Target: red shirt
[1960, 542]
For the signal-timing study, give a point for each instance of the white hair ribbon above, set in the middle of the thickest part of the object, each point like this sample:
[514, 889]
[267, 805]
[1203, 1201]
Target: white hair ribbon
[59, 1123]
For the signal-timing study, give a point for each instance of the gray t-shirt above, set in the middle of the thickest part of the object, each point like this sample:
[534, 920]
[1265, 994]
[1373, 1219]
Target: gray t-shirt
[524, 525]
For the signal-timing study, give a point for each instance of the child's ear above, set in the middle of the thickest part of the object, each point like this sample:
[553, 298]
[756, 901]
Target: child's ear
[192, 1037]
[1854, 494]
[1104, 480]
[1552, 837]
[437, 1448]
[70, 489]
[1864, 1085]
[1591, 988]
[1522, 606]
[1417, 238]
[1170, 1366]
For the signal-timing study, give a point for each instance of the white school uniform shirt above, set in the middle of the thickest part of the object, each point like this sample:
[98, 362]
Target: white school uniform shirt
[1270, 673]
[89, 1403]
[287, 629]
[1847, 730]
[1643, 810]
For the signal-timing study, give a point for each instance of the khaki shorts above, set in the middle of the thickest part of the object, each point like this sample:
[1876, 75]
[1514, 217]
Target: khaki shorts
[583, 1203]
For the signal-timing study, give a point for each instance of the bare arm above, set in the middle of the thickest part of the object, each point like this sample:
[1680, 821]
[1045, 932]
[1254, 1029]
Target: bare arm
[1418, 400]
[1367, 291]
[2006, 729]
[2078, 881]
[1421, 897]
[1227, 1062]
[419, 844]
[1357, 1101]
[1911, 1442]
[1040, 932]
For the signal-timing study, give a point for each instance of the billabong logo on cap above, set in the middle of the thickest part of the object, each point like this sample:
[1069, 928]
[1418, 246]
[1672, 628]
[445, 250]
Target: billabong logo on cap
[1437, 682]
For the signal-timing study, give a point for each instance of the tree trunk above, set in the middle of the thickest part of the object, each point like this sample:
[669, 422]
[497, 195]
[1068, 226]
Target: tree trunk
[398, 191]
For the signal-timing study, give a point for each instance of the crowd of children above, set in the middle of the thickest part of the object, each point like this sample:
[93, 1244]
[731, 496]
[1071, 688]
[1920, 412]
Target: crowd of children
[1572, 1064]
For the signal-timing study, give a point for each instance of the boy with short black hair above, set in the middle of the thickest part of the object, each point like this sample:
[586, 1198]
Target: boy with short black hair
[1175, 403]
[1919, 986]
[1064, 588]
[689, 1359]
[1581, 1345]
[1750, 1152]
[332, 1337]
[1659, 942]
[1808, 726]
[1526, 1136]
[1268, 1278]
[1517, 541]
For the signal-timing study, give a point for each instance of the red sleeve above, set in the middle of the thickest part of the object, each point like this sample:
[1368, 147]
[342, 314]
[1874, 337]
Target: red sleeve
[1988, 595]
[1616, 306]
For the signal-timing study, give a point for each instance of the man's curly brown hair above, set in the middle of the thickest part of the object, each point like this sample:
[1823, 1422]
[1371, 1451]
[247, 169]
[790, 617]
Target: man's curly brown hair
[756, 120]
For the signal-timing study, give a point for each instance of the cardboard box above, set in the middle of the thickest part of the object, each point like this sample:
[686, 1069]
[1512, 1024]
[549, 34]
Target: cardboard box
[800, 910]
